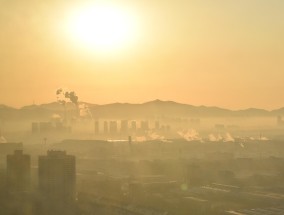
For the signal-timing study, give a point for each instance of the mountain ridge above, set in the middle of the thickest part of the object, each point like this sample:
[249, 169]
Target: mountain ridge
[127, 110]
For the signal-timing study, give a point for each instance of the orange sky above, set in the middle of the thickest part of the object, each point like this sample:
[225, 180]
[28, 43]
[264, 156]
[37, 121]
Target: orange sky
[218, 53]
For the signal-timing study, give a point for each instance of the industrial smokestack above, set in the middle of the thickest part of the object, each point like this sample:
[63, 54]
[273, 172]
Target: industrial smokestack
[130, 143]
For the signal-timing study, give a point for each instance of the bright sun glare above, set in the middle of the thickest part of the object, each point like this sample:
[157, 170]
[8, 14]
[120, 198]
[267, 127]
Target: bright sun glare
[102, 27]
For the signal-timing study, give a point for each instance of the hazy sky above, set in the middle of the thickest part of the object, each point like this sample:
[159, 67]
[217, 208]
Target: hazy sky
[227, 53]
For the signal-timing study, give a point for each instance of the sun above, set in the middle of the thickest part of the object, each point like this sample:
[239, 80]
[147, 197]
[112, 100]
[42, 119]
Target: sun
[102, 27]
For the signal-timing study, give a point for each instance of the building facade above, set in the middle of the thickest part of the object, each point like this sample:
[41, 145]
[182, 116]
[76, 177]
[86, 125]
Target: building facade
[57, 176]
[18, 172]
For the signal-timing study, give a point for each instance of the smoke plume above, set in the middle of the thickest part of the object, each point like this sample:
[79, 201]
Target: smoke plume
[189, 135]
[3, 139]
[64, 96]
[84, 111]
[227, 137]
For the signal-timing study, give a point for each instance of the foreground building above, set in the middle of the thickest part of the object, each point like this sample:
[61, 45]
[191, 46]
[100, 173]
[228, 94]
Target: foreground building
[57, 176]
[18, 172]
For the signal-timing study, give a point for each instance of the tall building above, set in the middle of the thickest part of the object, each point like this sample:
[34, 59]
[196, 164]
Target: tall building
[133, 126]
[45, 127]
[144, 125]
[97, 129]
[35, 127]
[124, 127]
[280, 122]
[57, 176]
[168, 128]
[113, 127]
[18, 171]
[157, 125]
[130, 143]
[105, 127]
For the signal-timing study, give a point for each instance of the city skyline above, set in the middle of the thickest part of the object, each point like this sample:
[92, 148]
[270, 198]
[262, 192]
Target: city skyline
[221, 53]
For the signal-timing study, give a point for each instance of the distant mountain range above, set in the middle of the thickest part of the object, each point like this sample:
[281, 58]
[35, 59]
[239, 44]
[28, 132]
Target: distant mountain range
[156, 108]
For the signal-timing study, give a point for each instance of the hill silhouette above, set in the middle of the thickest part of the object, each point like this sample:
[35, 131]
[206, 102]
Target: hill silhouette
[127, 110]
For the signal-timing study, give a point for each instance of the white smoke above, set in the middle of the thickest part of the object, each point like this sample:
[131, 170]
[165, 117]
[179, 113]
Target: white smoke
[212, 138]
[56, 117]
[3, 139]
[228, 138]
[154, 136]
[190, 135]
[151, 135]
[263, 138]
[167, 141]
[219, 137]
[84, 111]
[140, 138]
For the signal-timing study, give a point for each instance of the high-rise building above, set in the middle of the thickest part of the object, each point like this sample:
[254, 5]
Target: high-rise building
[45, 127]
[97, 129]
[280, 122]
[57, 176]
[18, 171]
[130, 143]
[144, 125]
[168, 128]
[35, 127]
[133, 126]
[157, 125]
[124, 127]
[105, 127]
[113, 127]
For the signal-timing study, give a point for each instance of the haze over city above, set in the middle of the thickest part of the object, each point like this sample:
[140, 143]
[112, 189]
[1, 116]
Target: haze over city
[214, 53]
[134, 107]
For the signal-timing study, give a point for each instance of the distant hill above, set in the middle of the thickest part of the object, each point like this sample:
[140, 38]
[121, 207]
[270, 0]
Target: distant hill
[157, 108]
[126, 110]
[7, 112]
